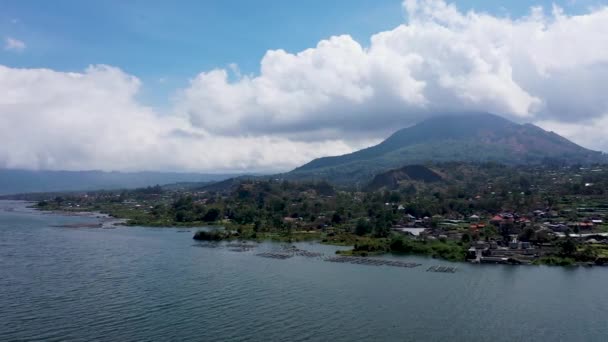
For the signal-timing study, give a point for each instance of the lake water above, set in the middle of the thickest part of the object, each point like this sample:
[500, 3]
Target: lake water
[156, 284]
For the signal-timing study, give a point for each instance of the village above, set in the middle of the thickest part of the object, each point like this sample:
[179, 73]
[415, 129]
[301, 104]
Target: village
[523, 238]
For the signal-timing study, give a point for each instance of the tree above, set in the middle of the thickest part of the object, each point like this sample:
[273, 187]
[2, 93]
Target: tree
[212, 215]
[181, 216]
[527, 234]
[542, 236]
[336, 218]
[524, 182]
[183, 203]
[394, 197]
[158, 211]
[410, 190]
[568, 247]
[381, 226]
[257, 225]
[505, 230]
[489, 231]
[363, 227]
[435, 220]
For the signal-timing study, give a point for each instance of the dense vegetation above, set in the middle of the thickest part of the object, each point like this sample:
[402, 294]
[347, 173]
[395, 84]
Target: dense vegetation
[449, 250]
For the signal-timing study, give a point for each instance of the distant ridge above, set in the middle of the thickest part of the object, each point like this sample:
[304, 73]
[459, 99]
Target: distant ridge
[21, 181]
[469, 137]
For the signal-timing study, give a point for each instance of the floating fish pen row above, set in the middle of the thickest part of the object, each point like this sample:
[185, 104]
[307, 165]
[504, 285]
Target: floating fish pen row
[371, 261]
[308, 254]
[234, 247]
[241, 245]
[272, 255]
[207, 245]
[239, 249]
[442, 269]
[289, 249]
[300, 252]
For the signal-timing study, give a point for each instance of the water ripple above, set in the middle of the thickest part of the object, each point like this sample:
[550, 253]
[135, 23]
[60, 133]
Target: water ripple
[140, 284]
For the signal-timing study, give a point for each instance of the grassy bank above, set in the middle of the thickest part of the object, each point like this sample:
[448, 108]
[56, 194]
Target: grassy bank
[447, 250]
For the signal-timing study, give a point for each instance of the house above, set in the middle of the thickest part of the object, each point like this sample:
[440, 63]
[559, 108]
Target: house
[474, 218]
[289, 219]
[481, 245]
[508, 216]
[476, 227]
[471, 254]
[496, 220]
[559, 227]
[524, 221]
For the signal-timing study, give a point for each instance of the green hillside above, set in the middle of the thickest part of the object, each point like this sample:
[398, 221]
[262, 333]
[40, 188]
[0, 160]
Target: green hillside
[477, 137]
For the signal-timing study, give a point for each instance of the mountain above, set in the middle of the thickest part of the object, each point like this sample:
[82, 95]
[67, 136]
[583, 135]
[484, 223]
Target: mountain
[473, 137]
[20, 181]
[407, 174]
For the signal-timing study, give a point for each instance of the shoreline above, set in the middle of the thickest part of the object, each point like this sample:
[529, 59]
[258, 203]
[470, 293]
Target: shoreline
[107, 221]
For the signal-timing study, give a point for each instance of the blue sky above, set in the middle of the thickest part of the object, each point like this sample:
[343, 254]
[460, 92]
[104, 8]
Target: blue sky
[173, 41]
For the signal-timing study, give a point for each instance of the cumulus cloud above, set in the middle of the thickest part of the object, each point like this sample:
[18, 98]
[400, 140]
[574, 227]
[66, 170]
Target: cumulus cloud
[588, 133]
[91, 120]
[539, 67]
[12, 44]
[547, 67]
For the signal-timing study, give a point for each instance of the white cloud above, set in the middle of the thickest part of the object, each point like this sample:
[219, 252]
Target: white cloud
[91, 120]
[442, 60]
[12, 44]
[590, 133]
[548, 68]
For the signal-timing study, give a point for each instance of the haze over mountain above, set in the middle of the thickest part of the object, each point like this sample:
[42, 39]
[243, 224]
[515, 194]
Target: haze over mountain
[472, 137]
[20, 181]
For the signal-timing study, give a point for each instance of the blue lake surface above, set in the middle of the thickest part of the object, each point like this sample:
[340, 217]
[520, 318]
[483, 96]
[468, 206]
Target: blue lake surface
[157, 284]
